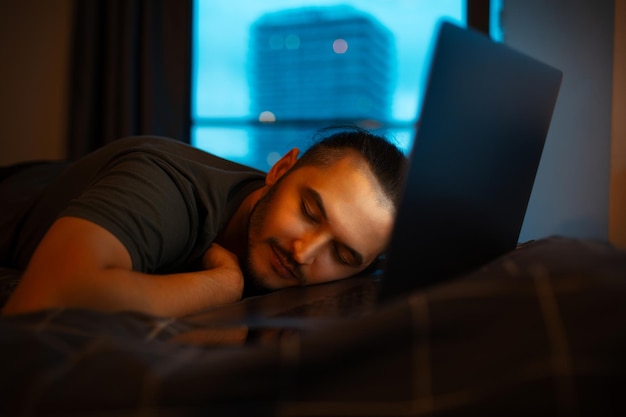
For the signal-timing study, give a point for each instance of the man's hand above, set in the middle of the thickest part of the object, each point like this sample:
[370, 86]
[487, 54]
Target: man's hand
[224, 263]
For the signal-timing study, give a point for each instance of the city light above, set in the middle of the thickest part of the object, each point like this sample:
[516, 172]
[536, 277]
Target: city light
[292, 42]
[340, 46]
[267, 117]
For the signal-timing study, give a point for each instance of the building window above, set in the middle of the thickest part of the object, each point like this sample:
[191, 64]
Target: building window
[267, 75]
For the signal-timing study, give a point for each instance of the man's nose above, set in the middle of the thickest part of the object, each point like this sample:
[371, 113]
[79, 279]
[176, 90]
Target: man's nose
[307, 248]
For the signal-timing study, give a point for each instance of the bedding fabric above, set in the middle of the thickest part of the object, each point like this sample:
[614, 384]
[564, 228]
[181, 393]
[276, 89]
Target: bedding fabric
[539, 331]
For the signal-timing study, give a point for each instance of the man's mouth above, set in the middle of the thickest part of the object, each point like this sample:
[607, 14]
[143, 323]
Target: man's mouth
[283, 266]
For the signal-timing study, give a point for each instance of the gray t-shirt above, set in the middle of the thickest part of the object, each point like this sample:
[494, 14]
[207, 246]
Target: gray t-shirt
[164, 200]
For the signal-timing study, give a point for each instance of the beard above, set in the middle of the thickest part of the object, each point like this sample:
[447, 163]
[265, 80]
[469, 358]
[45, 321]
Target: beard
[254, 284]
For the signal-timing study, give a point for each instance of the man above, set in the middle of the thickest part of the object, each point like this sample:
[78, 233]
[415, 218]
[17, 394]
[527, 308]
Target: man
[154, 225]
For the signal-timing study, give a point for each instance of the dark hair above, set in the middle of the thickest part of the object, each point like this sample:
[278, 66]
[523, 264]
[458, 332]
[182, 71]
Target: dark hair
[385, 160]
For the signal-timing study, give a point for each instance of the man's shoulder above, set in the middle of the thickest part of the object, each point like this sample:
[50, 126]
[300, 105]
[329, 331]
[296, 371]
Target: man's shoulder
[145, 143]
[176, 151]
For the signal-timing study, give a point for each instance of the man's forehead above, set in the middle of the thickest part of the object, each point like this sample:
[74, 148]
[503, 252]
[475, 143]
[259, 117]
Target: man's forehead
[352, 162]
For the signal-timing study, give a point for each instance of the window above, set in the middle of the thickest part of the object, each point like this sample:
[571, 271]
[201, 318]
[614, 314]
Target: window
[267, 75]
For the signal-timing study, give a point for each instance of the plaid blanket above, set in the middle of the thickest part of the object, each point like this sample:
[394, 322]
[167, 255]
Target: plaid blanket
[540, 331]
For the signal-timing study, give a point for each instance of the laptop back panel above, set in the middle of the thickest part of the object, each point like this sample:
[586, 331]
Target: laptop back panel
[484, 121]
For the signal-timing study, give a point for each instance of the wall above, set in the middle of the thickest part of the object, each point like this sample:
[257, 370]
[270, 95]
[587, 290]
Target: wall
[617, 202]
[571, 194]
[34, 45]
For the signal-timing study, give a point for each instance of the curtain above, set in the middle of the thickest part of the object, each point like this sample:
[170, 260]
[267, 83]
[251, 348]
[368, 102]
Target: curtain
[478, 15]
[130, 71]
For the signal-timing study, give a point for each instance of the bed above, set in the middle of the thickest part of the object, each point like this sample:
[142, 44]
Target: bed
[539, 331]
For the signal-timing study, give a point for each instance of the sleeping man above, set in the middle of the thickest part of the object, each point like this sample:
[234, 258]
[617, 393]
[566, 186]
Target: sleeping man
[154, 225]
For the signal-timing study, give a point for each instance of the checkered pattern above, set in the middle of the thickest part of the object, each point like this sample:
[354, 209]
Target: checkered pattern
[541, 331]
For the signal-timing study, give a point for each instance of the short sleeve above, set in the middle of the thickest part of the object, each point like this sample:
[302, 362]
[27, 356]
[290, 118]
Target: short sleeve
[147, 205]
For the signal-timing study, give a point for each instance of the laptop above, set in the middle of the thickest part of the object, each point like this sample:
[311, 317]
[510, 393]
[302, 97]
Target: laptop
[484, 120]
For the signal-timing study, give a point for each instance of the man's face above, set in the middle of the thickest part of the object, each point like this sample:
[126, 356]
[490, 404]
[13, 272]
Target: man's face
[317, 224]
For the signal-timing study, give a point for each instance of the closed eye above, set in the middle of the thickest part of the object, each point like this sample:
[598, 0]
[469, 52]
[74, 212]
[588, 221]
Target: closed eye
[306, 211]
[313, 209]
[340, 258]
[350, 258]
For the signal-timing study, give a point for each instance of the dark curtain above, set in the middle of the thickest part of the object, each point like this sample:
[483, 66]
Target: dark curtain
[131, 71]
[478, 14]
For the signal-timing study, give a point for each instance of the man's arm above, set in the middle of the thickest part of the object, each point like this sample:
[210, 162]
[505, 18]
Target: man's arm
[80, 264]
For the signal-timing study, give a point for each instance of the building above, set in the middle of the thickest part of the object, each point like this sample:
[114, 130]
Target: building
[316, 66]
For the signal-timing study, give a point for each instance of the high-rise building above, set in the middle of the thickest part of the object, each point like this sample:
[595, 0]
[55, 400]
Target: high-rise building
[316, 66]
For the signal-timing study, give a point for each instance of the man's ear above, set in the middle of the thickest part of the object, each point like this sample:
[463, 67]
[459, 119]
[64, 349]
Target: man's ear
[281, 167]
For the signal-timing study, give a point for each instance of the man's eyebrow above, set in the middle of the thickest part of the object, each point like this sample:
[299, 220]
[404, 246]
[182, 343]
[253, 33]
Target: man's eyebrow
[317, 199]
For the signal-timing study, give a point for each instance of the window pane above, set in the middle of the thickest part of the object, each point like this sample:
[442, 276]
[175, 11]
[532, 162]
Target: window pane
[246, 145]
[268, 74]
